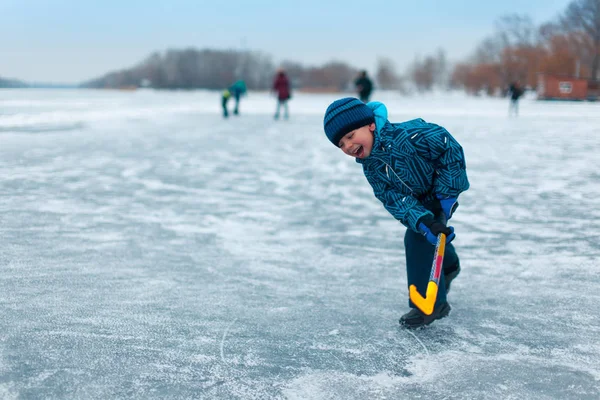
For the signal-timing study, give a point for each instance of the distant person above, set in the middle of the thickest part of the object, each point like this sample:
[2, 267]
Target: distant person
[236, 91]
[364, 86]
[515, 91]
[281, 87]
[417, 170]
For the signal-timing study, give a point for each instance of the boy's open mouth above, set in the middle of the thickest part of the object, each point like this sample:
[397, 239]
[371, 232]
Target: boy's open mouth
[359, 152]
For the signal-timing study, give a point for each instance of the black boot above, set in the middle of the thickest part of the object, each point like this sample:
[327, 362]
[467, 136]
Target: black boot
[416, 319]
[450, 274]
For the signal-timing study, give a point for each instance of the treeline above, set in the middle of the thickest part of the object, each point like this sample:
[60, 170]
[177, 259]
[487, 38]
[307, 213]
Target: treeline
[217, 69]
[18, 84]
[11, 83]
[191, 69]
[519, 50]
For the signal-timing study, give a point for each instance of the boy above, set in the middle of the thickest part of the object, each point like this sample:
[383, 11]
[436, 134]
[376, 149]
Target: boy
[417, 170]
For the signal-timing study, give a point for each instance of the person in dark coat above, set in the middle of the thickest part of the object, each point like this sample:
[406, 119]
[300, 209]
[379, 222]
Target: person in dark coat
[515, 91]
[281, 87]
[417, 170]
[364, 86]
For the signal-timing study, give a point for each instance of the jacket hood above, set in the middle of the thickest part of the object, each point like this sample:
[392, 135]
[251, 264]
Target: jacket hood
[381, 114]
[381, 118]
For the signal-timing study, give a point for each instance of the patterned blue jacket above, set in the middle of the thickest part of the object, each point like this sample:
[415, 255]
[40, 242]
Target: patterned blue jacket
[410, 163]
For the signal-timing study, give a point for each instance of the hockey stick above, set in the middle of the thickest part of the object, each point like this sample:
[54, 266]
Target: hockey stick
[426, 303]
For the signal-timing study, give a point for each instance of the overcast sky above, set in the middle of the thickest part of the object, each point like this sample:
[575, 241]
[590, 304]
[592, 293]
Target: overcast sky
[69, 41]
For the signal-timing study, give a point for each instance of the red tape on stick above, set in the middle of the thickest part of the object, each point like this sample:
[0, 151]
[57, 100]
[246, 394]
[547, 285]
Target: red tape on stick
[427, 303]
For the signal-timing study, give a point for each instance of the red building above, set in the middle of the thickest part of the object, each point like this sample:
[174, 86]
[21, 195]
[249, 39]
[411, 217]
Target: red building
[564, 87]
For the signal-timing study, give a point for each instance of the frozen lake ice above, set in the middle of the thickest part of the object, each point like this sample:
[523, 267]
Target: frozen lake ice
[151, 249]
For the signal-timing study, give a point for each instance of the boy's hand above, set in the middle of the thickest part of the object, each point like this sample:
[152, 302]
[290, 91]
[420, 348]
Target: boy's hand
[449, 204]
[430, 228]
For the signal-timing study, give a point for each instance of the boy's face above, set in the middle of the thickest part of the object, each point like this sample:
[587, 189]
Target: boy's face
[359, 142]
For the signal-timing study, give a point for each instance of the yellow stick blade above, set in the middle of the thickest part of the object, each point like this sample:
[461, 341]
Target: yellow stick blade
[426, 303]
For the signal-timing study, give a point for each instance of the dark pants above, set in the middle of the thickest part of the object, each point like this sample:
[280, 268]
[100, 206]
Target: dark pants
[419, 258]
[224, 101]
[236, 96]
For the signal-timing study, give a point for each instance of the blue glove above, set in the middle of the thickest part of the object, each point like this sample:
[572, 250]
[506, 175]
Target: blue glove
[431, 228]
[449, 205]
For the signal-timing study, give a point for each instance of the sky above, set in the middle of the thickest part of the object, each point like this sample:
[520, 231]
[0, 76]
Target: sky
[70, 41]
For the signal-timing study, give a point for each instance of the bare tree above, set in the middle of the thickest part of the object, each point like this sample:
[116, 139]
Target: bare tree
[512, 51]
[340, 73]
[488, 51]
[584, 16]
[386, 76]
[423, 73]
[431, 71]
[257, 70]
[516, 30]
[441, 70]
[547, 31]
[517, 50]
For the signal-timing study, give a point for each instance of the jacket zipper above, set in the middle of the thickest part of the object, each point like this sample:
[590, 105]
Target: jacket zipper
[387, 171]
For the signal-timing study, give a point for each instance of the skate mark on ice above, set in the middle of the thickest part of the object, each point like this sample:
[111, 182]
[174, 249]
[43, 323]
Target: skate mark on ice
[223, 340]
[419, 340]
[339, 361]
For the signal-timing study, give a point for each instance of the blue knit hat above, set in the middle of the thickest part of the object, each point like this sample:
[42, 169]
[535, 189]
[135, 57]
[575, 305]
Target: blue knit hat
[345, 115]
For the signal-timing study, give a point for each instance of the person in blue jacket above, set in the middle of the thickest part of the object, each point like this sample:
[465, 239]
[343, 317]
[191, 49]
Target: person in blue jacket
[236, 90]
[417, 170]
